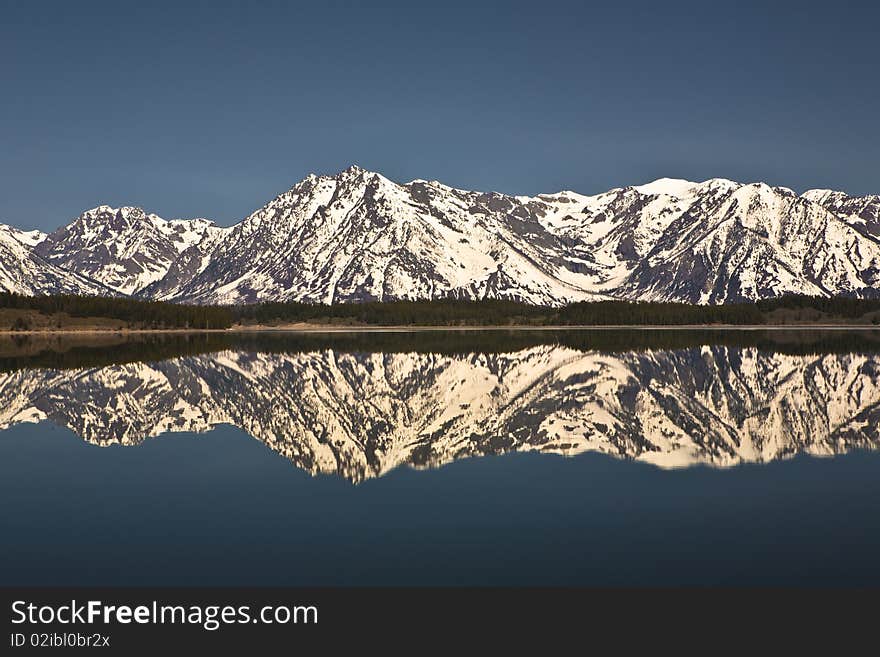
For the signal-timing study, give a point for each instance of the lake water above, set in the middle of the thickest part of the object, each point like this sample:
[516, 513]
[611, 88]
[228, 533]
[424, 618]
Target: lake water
[484, 457]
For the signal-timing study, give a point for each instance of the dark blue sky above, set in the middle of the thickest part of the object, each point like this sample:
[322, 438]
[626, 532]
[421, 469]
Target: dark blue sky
[214, 108]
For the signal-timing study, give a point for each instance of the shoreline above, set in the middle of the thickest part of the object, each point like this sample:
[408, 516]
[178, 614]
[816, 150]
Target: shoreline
[326, 328]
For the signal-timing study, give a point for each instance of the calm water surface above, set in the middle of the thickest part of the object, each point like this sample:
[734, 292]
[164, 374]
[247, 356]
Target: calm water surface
[595, 457]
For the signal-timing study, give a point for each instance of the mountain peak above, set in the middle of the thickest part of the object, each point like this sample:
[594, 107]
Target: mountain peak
[675, 187]
[353, 170]
[679, 188]
[27, 237]
[119, 218]
[125, 249]
[822, 195]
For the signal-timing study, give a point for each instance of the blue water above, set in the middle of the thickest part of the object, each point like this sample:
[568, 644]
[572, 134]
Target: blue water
[222, 509]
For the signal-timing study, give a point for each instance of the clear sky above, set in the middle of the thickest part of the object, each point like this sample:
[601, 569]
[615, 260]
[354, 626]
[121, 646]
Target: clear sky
[211, 109]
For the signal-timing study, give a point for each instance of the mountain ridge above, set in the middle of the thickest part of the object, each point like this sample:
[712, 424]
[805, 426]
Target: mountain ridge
[358, 236]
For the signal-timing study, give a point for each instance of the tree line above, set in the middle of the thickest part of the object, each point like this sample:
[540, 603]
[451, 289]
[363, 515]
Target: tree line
[135, 312]
[444, 312]
[848, 307]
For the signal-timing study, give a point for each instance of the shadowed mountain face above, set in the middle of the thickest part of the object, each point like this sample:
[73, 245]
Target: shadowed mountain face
[360, 415]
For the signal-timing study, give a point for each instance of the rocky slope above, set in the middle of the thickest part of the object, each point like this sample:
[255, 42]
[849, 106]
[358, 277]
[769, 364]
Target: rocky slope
[125, 249]
[24, 272]
[358, 236]
[860, 212]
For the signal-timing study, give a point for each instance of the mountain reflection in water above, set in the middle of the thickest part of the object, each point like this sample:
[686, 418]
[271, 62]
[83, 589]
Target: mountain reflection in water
[360, 413]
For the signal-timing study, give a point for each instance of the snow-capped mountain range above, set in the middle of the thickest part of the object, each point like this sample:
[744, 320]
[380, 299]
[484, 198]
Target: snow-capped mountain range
[360, 415]
[359, 236]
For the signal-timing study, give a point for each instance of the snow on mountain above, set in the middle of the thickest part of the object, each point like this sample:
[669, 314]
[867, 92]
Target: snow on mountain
[27, 237]
[752, 242]
[860, 212]
[675, 187]
[712, 242]
[24, 272]
[126, 249]
[357, 236]
[360, 415]
[191, 262]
